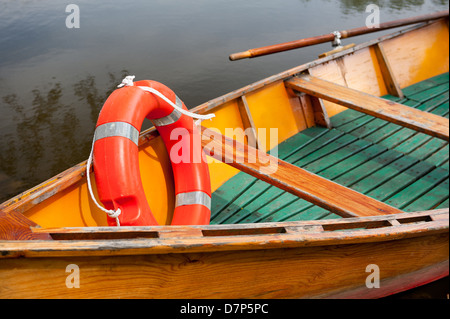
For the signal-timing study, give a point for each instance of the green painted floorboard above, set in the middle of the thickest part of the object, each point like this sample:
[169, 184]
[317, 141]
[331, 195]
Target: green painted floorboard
[397, 165]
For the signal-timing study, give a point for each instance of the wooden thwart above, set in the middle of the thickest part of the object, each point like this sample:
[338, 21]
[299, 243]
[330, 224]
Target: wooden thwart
[424, 122]
[299, 182]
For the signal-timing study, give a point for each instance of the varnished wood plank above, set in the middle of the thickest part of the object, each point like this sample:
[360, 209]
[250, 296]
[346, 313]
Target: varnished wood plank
[387, 110]
[388, 75]
[286, 205]
[238, 189]
[304, 272]
[249, 207]
[15, 226]
[248, 122]
[337, 50]
[320, 191]
[261, 193]
[319, 111]
[231, 237]
[412, 52]
[348, 223]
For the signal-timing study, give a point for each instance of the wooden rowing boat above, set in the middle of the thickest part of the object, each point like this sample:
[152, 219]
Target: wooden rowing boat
[353, 205]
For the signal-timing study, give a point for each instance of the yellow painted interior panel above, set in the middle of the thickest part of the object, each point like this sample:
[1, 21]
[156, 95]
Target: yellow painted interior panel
[420, 55]
[157, 179]
[74, 208]
[227, 116]
[271, 107]
[69, 208]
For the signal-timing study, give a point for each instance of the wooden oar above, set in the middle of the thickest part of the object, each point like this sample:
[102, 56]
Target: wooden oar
[252, 53]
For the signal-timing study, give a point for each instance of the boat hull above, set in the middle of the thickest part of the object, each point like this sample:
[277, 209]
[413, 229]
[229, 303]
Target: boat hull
[336, 271]
[352, 258]
[53, 245]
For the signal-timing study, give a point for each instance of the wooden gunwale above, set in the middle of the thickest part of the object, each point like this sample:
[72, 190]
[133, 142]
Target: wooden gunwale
[23, 202]
[219, 238]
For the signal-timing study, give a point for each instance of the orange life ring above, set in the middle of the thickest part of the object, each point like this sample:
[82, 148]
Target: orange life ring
[116, 164]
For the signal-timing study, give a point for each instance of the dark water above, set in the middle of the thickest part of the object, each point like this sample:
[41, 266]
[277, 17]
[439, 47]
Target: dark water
[54, 80]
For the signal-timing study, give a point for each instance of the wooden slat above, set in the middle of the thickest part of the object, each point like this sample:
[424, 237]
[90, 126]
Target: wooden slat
[288, 207]
[387, 110]
[388, 75]
[317, 108]
[399, 139]
[248, 122]
[15, 226]
[423, 86]
[337, 50]
[166, 232]
[242, 189]
[110, 241]
[313, 188]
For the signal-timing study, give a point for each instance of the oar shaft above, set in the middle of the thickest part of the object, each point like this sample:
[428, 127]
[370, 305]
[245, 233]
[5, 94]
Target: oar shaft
[252, 53]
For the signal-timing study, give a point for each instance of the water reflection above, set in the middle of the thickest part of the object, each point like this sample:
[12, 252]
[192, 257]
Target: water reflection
[87, 92]
[353, 6]
[47, 137]
[360, 5]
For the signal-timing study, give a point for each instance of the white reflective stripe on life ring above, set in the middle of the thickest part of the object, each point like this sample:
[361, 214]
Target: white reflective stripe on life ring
[121, 129]
[193, 198]
[171, 118]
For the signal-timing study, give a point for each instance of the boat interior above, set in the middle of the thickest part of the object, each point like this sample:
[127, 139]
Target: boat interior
[338, 120]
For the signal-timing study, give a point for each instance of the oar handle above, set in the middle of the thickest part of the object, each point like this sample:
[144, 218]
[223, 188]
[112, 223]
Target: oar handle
[240, 55]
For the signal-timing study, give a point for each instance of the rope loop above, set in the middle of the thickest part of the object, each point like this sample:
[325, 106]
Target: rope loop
[128, 81]
[111, 213]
